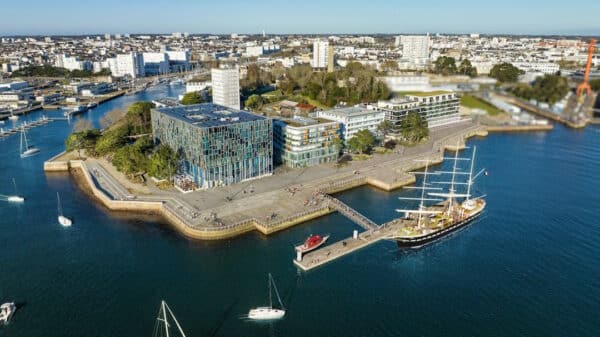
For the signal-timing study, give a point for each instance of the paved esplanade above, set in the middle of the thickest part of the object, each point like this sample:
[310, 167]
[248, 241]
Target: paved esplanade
[287, 194]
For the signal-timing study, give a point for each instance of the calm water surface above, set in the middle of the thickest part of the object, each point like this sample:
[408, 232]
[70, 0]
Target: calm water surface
[529, 267]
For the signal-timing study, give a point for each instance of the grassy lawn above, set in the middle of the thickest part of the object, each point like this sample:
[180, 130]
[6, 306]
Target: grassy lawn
[274, 93]
[473, 102]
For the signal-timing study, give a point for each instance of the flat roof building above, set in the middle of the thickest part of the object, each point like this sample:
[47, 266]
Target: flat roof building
[302, 142]
[218, 145]
[438, 108]
[226, 87]
[354, 119]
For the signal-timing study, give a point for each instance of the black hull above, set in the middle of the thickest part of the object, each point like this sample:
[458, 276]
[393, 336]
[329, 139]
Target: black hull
[432, 237]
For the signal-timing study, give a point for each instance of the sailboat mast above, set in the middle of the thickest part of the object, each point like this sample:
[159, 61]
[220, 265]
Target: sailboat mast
[270, 295]
[470, 182]
[59, 205]
[164, 310]
[174, 319]
[21, 139]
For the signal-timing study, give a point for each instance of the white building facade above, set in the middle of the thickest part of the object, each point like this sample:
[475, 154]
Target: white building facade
[415, 50]
[354, 119]
[226, 87]
[320, 54]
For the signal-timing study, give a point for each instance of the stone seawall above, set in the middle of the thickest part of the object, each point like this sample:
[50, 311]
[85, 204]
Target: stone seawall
[179, 222]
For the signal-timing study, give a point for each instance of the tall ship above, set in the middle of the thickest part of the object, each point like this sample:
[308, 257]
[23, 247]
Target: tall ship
[453, 207]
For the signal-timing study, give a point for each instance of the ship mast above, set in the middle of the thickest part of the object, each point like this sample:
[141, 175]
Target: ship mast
[421, 210]
[470, 182]
[452, 189]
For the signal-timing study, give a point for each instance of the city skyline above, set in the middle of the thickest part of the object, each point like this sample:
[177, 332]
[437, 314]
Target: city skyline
[64, 17]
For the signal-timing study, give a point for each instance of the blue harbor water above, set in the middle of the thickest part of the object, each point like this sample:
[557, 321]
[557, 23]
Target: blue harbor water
[528, 267]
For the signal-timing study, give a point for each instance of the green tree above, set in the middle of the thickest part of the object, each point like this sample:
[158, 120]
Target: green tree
[163, 163]
[112, 139]
[414, 127]
[445, 65]
[363, 142]
[384, 128]
[83, 140]
[132, 159]
[139, 117]
[254, 102]
[506, 72]
[193, 97]
[389, 65]
[595, 84]
[550, 88]
[466, 68]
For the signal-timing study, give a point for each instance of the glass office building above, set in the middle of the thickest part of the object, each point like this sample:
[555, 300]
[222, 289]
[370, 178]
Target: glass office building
[218, 145]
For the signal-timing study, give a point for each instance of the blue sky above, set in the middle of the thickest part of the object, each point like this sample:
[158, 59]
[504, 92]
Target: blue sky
[51, 17]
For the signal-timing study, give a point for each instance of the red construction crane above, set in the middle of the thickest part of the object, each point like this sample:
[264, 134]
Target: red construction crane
[585, 86]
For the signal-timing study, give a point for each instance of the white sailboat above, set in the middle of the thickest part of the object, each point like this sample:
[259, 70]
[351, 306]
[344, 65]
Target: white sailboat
[162, 326]
[16, 197]
[27, 150]
[63, 220]
[268, 313]
[6, 312]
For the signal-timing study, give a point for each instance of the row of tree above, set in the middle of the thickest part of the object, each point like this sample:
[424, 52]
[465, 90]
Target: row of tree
[51, 71]
[354, 84]
[413, 129]
[126, 141]
[445, 65]
[549, 89]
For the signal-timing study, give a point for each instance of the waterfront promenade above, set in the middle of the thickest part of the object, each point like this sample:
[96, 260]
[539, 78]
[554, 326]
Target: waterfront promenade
[269, 204]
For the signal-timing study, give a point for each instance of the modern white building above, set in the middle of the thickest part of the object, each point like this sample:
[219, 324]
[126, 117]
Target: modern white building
[354, 119]
[196, 86]
[179, 60]
[438, 108]
[253, 51]
[302, 142]
[156, 63]
[548, 68]
[415, 50]
[130, 64]
[407, 83]
[320, 54]
[72, 63]
[226, 87]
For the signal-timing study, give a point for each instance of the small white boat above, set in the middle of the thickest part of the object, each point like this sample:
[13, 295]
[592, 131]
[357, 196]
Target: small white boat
[13, 117]
[28, 150]
[92, 105]
[15, 198]
[63, 220]
[268, 313]
[6, 312]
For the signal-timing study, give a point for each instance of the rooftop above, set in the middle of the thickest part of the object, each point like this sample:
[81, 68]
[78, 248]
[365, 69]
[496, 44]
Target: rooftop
[425, 93]
[207, 115]
[350, 111]
[298, 121]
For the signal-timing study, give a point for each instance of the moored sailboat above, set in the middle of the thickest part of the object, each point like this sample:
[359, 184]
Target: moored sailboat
[27, 150]
[268, 313]
[63, 220]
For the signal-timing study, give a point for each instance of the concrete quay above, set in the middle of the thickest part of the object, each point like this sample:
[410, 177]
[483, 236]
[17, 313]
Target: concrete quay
[268, 205]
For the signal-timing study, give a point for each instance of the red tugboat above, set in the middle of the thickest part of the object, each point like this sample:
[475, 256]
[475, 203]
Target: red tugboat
[313, 242]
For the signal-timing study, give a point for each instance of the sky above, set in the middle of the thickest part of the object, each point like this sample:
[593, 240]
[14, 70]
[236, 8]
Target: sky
[68, 17]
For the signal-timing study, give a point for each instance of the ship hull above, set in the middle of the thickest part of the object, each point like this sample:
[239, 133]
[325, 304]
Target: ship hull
[430, 238]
